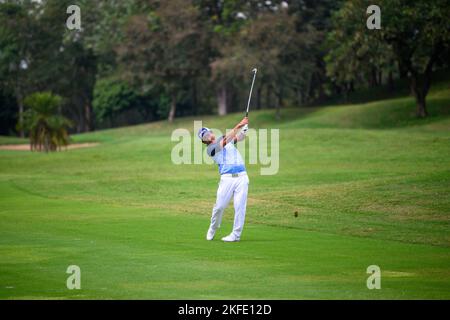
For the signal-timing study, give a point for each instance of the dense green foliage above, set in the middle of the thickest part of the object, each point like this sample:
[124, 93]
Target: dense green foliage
[189, 57]
[415, 35]
[111, 97]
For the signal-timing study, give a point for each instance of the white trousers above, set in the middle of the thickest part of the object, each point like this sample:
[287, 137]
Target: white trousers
[228, 187]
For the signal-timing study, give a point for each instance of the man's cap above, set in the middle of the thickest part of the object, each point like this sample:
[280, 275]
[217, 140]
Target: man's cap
[202, 132]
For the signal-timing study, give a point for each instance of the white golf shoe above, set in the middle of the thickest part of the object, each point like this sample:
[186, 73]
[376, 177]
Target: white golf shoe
[210, 234]
[230, 238]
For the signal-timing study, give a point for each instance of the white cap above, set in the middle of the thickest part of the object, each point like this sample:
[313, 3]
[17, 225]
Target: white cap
[202, 131]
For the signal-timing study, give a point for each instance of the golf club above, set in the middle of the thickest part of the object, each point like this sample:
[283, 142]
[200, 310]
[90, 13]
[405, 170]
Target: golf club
[251, 89]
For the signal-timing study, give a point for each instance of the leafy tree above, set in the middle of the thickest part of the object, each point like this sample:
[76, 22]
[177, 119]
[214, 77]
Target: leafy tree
[164, 48]
[47, 129]
[111, 97]
[227, 67]
[233, 57]
[269, 40]
[78, 70]
[104, 25]
[416, 33]
[353, 56]
[283, 48]
[38, 53]
[283, 40]
[16, 25]
[419, 32]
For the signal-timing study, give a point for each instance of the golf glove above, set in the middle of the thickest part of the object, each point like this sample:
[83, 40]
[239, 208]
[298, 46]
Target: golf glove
[242, 133]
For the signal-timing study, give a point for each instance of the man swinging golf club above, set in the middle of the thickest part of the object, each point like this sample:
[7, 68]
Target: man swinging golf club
[233, 176]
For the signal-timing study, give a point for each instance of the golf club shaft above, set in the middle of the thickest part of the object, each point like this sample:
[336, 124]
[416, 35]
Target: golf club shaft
[251, 89]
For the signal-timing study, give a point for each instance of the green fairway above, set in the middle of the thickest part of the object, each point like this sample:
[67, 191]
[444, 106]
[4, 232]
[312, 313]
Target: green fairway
[358, 185]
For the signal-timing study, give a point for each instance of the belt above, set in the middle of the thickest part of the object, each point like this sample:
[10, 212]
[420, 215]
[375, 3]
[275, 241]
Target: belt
[234, 175]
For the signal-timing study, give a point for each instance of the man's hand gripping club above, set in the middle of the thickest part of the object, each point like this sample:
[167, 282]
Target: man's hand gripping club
[234, 134]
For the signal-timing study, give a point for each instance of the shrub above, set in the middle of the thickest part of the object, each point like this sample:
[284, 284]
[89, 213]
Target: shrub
[47, 129]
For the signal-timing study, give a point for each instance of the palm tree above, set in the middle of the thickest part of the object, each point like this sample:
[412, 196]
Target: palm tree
[46, 127]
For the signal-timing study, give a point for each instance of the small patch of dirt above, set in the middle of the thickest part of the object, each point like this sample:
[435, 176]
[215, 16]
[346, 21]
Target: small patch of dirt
[26, 147]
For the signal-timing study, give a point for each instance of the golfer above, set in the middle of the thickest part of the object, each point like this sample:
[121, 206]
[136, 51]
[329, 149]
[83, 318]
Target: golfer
[233, 178]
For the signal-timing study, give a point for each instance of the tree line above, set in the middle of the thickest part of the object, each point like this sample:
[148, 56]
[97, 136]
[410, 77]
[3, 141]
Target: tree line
[143, 60]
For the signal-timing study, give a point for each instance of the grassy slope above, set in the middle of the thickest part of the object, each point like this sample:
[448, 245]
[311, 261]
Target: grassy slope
[370, 184]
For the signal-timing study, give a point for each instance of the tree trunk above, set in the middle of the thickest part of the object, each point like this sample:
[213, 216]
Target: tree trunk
[173, 108]
[298, 96]
[268, 95]
[222, 101]
[391, 81]
[278, 105]
[421, 110]
[258, 98]
[373, 77]
[309, 90]
[80, 122]
[194, 97]
[322, 96]
[419, 90]
[20, 105]
[87, 117]
[346, 91]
